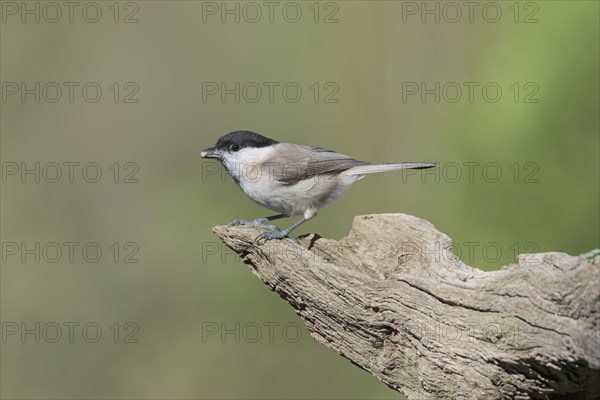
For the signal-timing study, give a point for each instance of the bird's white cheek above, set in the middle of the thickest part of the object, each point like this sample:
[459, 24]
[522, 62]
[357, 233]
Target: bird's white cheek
[241, 170]
[245, 165]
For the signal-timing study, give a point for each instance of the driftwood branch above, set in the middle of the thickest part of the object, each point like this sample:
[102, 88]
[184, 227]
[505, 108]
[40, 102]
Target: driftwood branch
[392, 298]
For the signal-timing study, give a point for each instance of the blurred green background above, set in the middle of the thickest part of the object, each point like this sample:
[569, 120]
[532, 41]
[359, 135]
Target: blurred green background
[194, 307]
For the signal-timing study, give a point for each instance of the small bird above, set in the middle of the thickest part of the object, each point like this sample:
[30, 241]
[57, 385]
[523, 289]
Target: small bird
[290, 179]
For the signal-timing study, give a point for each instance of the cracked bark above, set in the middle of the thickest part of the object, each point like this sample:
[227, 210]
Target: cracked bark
[431, 327]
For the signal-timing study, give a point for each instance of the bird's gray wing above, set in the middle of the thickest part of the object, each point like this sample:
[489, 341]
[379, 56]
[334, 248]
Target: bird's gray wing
[297, 163]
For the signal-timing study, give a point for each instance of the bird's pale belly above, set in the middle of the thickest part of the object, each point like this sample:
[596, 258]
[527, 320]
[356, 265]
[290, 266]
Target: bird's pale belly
[295, 198]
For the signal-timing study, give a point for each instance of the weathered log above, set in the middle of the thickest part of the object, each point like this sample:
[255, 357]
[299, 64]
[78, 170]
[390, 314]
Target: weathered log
[392, 298]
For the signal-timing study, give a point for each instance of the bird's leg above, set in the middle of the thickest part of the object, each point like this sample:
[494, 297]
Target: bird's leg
[259, 222]
[308, 214]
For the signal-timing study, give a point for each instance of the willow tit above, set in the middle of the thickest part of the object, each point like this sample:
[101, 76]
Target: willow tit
[289, 178]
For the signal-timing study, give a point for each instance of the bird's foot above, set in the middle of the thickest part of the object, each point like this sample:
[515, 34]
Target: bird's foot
[255, 222]
[270, 235]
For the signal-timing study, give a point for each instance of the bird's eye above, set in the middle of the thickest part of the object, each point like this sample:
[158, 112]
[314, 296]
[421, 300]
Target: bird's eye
[234, 147]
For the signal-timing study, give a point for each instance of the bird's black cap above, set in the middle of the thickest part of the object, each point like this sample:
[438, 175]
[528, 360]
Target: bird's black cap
[243, 139]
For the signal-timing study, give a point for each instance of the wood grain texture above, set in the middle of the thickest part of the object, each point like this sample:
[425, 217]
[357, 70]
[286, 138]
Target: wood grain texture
[392, 298]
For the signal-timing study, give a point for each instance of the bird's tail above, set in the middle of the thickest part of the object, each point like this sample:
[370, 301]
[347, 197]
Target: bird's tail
[372, 168]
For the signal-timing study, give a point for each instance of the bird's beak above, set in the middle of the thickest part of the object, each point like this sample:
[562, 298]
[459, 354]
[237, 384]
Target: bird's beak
[211, 152]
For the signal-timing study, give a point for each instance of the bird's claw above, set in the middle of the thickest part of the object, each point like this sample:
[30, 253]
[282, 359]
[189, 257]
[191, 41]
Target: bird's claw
[270, 235]
[237, 222]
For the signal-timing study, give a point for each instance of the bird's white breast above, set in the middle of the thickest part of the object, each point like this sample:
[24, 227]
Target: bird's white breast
[248, 169]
